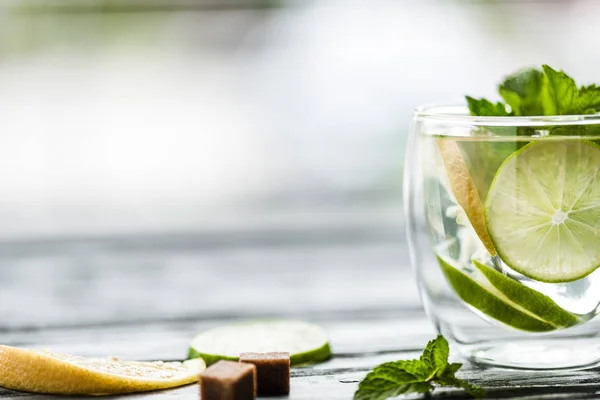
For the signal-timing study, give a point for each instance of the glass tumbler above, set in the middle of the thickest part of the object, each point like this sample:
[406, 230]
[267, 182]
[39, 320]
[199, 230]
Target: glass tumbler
[503, 225]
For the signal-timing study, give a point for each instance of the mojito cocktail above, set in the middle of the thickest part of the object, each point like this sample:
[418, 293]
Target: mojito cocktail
[504, 227]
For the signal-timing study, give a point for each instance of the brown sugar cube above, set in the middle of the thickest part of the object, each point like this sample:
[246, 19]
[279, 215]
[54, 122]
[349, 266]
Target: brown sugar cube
[272, 370]
[228, 380]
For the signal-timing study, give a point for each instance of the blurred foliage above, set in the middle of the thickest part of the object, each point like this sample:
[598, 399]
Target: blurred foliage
[113, 25]
[108, 6]
[22, 34]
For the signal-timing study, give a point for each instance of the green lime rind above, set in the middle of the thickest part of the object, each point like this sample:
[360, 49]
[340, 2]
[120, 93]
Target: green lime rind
[480, 297]
[209, 359]
[306, 342]
[542, 211]
[539, 304]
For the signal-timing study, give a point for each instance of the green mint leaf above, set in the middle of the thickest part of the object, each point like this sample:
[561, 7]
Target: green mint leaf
[451, 369]
[485, 108]
[446, 377]
[447, 374]
[534, 92]
[369, 394]
[414, 367]
[588, 101]
[563, 91]
[392, 379]
[402, 371]
[435, 355]
[473, 390]
[526, 92]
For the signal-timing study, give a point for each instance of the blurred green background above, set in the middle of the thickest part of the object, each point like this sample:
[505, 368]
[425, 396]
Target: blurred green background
[164, 159]
[153, 116]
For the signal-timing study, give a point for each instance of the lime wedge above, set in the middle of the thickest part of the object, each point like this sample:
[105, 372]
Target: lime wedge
[304, 341]
[483, 296]
[59, 373]
[537, 303]
[543, 210]
[464, 189]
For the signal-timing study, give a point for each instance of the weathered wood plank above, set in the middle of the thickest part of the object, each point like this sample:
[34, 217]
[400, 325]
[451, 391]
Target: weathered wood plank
[139, 303]
[336, 379]
[357, 333]
[101, 282]
[338, 386]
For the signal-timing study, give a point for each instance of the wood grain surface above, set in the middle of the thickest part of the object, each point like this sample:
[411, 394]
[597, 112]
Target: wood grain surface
[145, 299]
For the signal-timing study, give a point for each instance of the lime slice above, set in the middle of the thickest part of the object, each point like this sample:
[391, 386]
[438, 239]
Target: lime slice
[464, 189]
[543, 210]
[539, 304]
[483, 296]
[58, 373]
[304, 341]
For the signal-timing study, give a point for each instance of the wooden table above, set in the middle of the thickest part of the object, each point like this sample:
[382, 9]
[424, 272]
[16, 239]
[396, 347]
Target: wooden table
[145, 298]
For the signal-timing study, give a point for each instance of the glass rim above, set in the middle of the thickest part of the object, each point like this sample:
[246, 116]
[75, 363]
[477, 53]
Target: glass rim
[457, 114]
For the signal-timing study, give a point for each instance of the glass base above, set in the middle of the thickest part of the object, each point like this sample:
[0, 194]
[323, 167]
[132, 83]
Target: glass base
[482, 342]
[538, 354]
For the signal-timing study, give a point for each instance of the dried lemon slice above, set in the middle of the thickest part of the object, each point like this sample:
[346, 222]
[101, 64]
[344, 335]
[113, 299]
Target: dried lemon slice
[43, 371]
[464, 190]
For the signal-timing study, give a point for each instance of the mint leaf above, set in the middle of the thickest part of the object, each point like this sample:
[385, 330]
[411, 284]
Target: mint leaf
[563, 91]
[473, 390]
[485, 108]
[392, 379]
[435, 355]
[414, 367]
[534, 92]
[451, 369]
[589, 99]
[526, 92]
[447, 378]
[403, 371]
[382, 394]
[414, 376]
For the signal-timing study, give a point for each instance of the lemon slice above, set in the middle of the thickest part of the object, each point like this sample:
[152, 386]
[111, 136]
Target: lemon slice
[543, 210]
[464, 190]
[58, 373]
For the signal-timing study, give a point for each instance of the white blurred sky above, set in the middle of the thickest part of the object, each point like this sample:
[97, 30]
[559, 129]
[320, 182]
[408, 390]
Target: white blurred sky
[128, 122]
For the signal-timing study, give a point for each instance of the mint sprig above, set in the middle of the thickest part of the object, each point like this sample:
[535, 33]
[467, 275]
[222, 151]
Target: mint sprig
[415, 376]
[485, 108]
[535, 92]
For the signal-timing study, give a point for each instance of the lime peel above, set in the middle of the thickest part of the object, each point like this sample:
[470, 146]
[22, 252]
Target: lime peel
[487, 299]
[529, 300]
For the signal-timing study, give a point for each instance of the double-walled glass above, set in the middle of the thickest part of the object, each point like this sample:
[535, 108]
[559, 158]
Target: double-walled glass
[503, 222]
